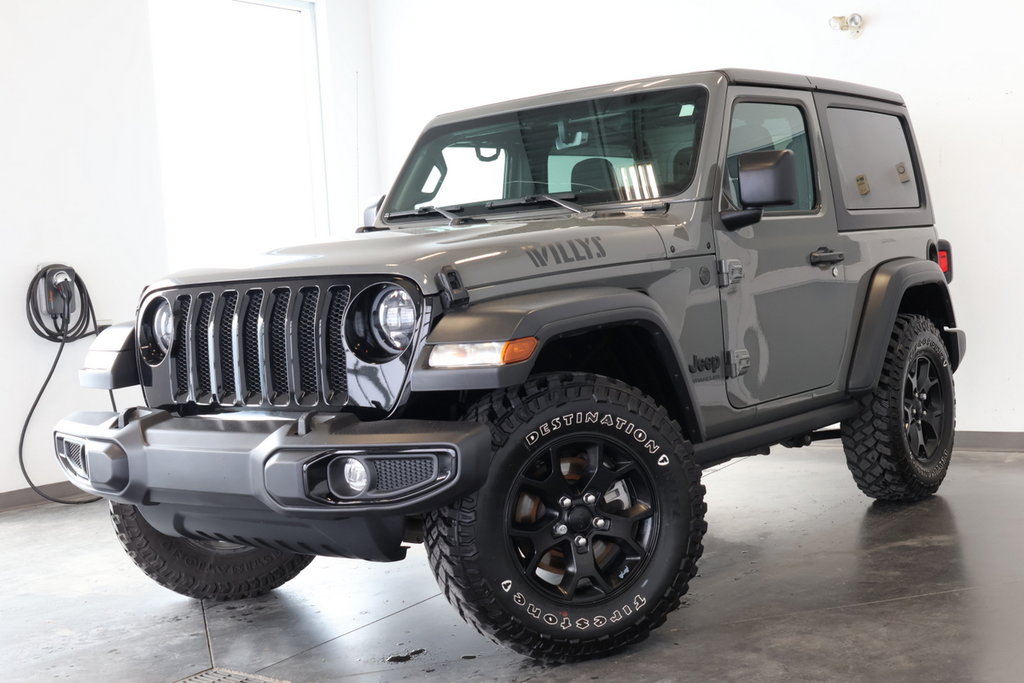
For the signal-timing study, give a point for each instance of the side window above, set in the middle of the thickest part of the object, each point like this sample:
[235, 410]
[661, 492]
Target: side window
[875, 167]
[758, 127]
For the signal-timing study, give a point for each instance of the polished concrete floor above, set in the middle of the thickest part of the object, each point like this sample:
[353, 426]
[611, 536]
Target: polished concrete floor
[803, 579]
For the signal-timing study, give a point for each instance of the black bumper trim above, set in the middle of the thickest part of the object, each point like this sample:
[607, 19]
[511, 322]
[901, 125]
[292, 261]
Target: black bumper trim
[223, 477]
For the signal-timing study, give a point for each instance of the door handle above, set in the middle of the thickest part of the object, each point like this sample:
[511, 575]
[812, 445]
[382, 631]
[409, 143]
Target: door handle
[824, 256]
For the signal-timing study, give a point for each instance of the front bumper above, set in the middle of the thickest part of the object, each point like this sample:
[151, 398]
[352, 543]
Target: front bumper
[268, 481]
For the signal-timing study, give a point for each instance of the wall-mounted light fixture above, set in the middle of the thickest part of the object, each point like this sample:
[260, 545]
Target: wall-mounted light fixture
[853, 25]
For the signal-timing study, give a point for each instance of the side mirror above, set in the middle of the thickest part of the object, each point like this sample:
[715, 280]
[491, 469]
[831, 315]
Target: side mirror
[370, 212]
[765, 179]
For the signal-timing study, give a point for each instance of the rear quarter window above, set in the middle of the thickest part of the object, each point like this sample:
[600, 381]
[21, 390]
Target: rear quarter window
[876, 169]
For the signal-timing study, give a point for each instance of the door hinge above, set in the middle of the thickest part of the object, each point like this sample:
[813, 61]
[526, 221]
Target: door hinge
[737, 362]
[730, 271]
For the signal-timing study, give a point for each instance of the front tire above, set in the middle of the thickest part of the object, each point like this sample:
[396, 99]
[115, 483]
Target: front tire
[899, 447]
[205, 570]
[588, 528]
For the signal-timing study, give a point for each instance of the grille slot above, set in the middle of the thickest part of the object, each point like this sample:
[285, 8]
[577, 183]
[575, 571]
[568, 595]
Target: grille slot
[261, 345]
[202, 347]
[306, 331]
[251, 346]
[278, 345]
[337, 373]
[225, 340]
[394, 474]
[181, 330]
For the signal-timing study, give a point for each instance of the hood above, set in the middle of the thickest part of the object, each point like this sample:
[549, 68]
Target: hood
[484, 254]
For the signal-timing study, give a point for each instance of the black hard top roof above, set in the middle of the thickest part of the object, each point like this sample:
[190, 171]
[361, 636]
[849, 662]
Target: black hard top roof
[777, 79]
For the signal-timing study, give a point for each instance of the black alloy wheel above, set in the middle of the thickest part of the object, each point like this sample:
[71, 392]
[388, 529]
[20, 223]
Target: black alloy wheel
[923, 409]
[581, 518]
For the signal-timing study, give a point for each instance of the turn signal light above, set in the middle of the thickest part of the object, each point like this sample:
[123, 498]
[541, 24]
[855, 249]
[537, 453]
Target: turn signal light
[518, 350]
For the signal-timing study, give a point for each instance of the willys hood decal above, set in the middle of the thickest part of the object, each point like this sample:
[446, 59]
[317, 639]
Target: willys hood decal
[484, 254]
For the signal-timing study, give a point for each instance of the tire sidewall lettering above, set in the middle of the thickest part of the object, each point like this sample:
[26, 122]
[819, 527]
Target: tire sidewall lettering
[632, 434]
[652, 452]
[567, 619]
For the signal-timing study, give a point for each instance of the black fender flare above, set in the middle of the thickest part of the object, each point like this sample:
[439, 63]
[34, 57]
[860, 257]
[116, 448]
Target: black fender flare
[886, 291]
[546, 315]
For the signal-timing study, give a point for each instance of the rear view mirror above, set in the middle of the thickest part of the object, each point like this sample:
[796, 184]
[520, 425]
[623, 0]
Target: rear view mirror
[767, 179]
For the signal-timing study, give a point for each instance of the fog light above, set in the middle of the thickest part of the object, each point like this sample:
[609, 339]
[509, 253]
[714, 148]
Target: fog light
[356, 475]
[349, 477]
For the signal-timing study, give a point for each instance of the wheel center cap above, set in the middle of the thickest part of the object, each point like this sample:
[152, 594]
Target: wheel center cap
[580, 519]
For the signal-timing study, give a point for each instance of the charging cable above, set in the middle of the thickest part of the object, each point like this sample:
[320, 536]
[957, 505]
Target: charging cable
[53, 293]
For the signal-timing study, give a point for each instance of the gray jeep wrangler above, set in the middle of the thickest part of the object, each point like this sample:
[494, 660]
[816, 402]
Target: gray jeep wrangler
[565, 308]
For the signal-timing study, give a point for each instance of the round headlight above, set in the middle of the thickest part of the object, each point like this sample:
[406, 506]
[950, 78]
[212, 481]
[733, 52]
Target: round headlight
[394, 318]
[156, 331]
[163, 326]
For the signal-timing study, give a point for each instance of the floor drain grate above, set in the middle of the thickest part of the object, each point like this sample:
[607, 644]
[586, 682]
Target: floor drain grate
[228, 676]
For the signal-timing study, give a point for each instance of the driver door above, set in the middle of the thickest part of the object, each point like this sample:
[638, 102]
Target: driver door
[786, 320]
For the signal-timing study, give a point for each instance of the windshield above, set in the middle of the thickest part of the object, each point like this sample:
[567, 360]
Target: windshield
[630, 147]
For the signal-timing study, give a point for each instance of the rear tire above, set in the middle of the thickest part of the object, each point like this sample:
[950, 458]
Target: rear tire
[899, 446]
[205, 570]
[588, 528]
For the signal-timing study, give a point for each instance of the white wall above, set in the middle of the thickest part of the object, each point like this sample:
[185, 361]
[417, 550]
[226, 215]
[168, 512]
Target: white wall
[351, 136]
[80, 180]
[79, 185]
[957, 65]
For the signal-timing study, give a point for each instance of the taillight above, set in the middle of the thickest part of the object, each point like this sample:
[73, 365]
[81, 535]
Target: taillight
[944, 257]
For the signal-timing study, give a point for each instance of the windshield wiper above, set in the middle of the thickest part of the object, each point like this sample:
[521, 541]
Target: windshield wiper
[448, 212]
[563, 199]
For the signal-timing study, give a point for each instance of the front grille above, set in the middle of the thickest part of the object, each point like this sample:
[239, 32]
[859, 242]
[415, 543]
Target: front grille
[394, 474]
[260, 345]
